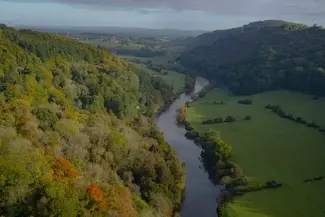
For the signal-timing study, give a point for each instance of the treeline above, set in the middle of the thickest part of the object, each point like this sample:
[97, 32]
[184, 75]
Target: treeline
[76, 139]
[261, 56]
[245, 102]
[215, 154]
[202, 93]
[219, 120]
[278, 110]
[216, 158]
[228, 119]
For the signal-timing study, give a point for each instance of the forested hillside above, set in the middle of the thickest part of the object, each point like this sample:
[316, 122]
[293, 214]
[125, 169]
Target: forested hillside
[261, 56]
[75, 137]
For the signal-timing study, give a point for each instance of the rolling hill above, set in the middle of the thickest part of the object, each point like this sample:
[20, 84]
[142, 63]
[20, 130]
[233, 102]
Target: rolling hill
[261, 56]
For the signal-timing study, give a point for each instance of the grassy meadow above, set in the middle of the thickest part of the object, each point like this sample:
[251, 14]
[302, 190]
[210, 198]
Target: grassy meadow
[269, 147]
[163, 60]
[174, 79]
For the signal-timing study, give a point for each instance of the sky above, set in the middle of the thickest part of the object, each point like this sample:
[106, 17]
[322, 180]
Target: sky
[159, 14]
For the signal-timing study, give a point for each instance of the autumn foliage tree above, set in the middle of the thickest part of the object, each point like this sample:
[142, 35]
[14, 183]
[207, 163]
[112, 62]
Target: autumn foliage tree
[181, 114]
[97, 197]
[63, 169]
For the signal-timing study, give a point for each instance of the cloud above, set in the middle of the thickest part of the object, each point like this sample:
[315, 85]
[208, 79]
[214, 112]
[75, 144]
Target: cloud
[238, 7]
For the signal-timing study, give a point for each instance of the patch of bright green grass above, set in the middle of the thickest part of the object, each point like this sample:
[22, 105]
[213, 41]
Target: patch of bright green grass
[163, 60]
[269, 147]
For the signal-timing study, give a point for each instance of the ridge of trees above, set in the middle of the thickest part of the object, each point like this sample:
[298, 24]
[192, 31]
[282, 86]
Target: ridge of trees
[261, 56]
[76, 137]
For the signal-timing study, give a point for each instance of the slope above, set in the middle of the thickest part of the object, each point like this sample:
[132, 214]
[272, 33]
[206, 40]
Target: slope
[74, 136]
[261, 56]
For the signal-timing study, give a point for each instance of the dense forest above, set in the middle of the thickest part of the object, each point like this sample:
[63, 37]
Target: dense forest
[261, 56]
[76, 138]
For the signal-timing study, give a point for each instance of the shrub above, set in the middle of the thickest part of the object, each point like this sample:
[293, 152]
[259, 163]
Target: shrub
[192, 134]
[218, 120]
[245, 102]
[230, 119]
[248, 118]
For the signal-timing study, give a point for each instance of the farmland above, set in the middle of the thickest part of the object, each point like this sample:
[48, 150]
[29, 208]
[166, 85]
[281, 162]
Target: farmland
[269, 147]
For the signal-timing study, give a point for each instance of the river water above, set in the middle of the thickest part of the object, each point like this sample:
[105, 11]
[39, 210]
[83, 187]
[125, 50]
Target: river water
[200, 194]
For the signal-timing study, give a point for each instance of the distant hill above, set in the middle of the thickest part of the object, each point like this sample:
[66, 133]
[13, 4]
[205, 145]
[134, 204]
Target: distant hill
[261, 56]
[118, 31]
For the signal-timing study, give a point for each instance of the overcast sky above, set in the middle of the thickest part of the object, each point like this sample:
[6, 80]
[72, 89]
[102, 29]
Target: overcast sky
[174, 14]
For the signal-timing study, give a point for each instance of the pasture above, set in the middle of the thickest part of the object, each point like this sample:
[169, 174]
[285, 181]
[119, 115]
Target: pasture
[269, 147]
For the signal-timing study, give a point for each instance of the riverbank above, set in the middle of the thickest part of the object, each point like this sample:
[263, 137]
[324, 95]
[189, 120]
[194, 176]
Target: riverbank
[270, 148]
[200, 192]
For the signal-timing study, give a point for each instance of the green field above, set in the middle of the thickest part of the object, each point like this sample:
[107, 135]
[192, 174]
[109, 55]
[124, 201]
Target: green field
[174, 79]
[269, 147]
[155, 60]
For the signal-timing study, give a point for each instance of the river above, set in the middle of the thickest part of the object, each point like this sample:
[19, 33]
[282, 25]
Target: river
[200, 194]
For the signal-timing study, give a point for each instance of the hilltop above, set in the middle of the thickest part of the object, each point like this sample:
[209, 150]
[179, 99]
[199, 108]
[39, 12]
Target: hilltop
[261, 56]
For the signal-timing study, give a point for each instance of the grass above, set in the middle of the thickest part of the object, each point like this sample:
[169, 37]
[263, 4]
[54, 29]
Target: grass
[174, 79]
[269, 147]
[155, 60]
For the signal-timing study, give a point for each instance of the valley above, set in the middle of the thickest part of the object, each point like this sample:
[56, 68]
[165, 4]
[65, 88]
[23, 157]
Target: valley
[132, 122]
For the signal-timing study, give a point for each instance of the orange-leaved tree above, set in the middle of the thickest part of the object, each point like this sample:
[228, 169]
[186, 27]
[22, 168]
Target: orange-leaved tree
[64, 170]
[97, 197]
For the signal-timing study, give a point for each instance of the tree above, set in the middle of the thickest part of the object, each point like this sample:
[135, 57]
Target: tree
[230, 119]
[248, 118]
[47, 118]
[181, 114]
[116, 105]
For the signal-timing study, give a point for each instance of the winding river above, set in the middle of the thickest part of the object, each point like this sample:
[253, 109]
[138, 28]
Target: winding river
[200, 194]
